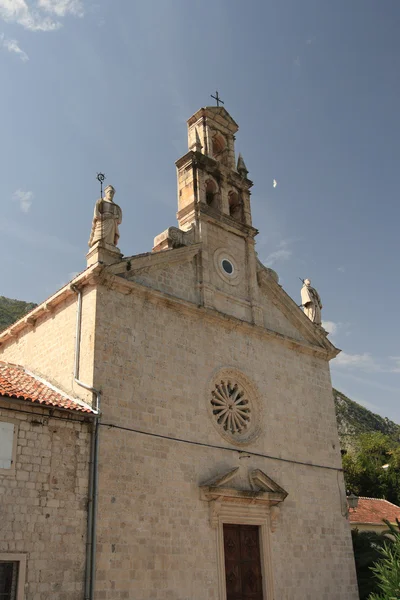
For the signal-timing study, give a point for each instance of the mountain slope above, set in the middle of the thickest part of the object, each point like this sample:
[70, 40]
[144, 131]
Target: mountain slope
[353, 419]
[12, 310]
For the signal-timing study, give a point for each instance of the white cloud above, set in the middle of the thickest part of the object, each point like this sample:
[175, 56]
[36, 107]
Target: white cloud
[38, 16]
[396, 367]
[278, 255]
[62, 7]
[24, 199]
[366, 362]
[297, 62]
[12, 46]
[356, 361]
[274, 183]
[337, 328]
[330, 327]
[282, 253]
[341, 269]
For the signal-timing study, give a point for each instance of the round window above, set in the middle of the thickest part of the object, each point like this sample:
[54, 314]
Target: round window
[233, 405]
[227, 266]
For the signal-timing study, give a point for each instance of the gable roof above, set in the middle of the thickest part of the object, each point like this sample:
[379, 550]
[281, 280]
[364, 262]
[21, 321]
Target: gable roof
[374, 510]
[314, 334]
[16, 382]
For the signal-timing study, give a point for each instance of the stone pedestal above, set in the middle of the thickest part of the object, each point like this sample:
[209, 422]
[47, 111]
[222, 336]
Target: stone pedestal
[103, 253]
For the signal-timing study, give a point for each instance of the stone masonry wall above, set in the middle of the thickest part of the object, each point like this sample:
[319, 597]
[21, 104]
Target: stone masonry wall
[154, 366]
[43, 504]
[178, 280]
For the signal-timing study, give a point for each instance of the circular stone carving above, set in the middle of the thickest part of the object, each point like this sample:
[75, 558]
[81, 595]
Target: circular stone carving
[226, 266]
[234, 406]
[230, 406]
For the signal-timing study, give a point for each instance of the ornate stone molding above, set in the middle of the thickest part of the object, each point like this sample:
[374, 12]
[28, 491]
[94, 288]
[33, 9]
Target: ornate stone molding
[230, 502]
[173, 237]
[234, 406]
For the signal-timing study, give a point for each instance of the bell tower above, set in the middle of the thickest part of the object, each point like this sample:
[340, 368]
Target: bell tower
[214, 209]
[209, 177]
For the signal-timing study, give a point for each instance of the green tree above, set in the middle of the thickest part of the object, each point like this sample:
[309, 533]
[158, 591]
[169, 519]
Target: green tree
[12, 310]
[363, 467]
[387, 571]
[367, 547]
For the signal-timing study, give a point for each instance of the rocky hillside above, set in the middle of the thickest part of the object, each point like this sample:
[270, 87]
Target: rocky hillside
[353, 419]
[12, 310]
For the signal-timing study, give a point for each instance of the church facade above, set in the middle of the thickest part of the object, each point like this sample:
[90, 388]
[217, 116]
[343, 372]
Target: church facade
[213, 465]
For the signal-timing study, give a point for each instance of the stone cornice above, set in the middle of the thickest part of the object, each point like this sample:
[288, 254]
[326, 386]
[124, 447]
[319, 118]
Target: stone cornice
[316, 344]
[213, 167]
[221, 220]
[117, 283]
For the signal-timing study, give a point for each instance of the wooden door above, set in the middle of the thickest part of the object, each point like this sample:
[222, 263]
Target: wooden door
[242, 562]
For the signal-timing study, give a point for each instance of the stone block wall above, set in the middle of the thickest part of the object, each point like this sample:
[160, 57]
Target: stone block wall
[44, 501]
[178, 280]
[154, 365]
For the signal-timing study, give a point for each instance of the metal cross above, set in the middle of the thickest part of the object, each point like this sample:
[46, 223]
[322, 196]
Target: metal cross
[217, 98]
[101, 177]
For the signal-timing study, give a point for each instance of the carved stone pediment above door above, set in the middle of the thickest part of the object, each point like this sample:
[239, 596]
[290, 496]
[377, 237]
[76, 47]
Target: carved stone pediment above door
[260, 497]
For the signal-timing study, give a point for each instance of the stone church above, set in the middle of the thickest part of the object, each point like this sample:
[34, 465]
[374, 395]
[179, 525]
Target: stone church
[167, 422]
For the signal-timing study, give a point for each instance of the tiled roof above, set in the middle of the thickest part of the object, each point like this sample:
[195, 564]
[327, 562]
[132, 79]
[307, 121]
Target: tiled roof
[374, 510]
[16, 382]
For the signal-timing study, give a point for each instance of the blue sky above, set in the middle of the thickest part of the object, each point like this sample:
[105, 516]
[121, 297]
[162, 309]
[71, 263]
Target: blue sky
[108, 85]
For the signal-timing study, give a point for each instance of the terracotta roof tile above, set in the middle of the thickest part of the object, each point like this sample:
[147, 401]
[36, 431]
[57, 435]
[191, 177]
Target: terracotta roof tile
[374, 510]
[16, 382]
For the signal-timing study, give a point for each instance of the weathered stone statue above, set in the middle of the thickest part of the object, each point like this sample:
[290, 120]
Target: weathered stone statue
[312, 302]
[107, 216]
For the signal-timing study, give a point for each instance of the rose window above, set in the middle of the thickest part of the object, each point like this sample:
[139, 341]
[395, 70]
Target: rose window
[230, 407]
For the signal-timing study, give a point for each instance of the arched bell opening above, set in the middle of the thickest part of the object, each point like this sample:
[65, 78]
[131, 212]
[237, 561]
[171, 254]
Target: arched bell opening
[212, 195]
[218, 145]
[235, 206]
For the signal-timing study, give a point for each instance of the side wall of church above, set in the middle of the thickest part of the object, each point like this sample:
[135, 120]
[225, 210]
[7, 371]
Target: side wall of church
[48, 347]
[154, 362]
[43, 502]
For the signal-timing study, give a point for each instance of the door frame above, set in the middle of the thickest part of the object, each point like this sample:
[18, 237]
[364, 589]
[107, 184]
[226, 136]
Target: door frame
[237, 514]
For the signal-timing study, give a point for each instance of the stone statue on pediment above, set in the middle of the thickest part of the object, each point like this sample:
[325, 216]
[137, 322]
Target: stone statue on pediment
[311, 302]
[106, 219]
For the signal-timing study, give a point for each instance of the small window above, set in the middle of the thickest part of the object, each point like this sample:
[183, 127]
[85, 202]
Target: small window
[8, 443]
[12, 576]
[227, 266]
[8, 580]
